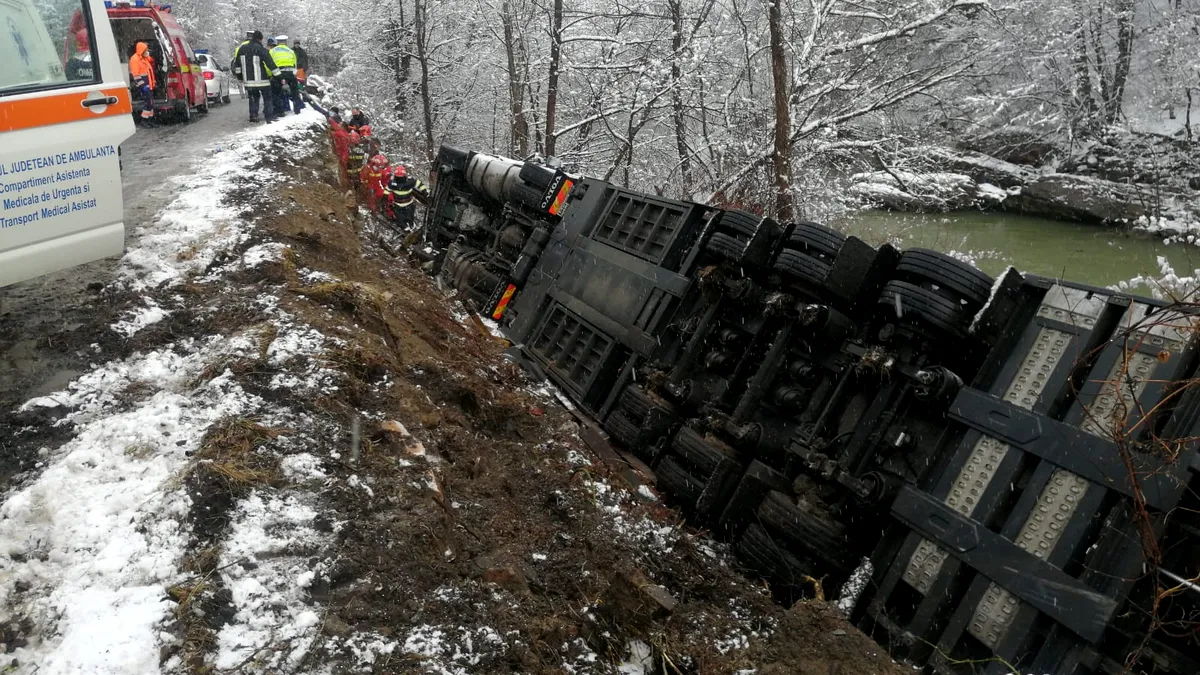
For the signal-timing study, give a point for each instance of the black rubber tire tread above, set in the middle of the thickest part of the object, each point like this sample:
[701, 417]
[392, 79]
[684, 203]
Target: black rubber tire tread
[673, 479]
[939, 312]
[641, 404]
[803, 267]
[525, 195]
[537, 175]
[923, 264]
[816, 238]
[739, 222]
[726, 245]
[758, 551]
[698, 452]
[623, 431]
[804, 525]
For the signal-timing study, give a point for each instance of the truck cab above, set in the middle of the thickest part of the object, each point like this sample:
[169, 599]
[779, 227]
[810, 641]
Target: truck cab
[63, 115]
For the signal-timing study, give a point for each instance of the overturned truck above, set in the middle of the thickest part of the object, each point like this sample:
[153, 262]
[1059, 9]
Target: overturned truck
[1011, 461]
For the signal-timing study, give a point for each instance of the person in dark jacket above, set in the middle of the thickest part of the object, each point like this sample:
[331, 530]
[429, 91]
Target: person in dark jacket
[301, 62]
[357, 120]
[257, 68]
[403, 191]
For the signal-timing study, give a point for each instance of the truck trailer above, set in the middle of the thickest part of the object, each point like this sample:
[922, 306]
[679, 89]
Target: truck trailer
[1008, 464]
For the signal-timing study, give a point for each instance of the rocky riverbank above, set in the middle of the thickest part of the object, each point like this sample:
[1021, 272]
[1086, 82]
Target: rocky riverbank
[1139, 181]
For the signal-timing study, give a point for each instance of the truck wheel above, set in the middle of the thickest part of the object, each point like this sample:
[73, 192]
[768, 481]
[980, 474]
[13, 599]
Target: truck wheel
[641, 404]
[739, 222]
[923, 265]
[725, 245]
[816, 239]
[673, 479]
[764, 555]
[807, 526]
[704, 454]
[623, 430]
[805, 268]
[926, 305]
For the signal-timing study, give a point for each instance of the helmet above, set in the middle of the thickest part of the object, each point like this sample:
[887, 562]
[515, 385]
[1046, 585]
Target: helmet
[271, 41]
[365, 130]
[281, 38]
[249, 34]
[379, 161]
[398, 171]
[354, 137]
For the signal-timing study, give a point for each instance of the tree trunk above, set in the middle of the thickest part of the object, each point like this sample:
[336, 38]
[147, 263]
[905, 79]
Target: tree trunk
[421, 28]
[782, 157]
[1085, 100]
[518, 124]
[1113, 104]
[552, 78]
[685, 163]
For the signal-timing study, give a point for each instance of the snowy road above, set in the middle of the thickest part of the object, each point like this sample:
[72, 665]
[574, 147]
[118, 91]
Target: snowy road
[32, 314]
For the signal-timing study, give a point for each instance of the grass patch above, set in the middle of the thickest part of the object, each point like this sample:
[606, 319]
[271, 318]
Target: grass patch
[232, 452]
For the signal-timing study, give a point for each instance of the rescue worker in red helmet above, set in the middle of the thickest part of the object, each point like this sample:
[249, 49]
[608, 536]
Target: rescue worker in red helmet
[356, 157]
[141, 74]
[402, 193]
[372, 179]
[79, 66]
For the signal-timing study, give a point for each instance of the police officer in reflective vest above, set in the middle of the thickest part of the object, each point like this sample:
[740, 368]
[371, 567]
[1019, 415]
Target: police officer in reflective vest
[285, 74]
[402, 191]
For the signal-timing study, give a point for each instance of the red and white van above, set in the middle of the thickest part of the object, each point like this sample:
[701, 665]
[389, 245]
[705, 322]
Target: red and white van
[63, 115]
[179, 82]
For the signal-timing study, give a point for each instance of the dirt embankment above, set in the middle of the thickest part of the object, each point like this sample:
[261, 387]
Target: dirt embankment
[434, 509]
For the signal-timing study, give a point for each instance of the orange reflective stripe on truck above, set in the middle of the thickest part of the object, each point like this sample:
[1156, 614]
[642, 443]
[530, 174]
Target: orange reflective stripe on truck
[43, 111]
[503, 304]
[561, 197]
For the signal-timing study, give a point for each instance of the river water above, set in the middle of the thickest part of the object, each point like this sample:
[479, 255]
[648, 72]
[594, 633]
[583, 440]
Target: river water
[1085, 253]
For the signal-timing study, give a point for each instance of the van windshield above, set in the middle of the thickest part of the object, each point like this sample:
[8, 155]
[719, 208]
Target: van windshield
[30, 57]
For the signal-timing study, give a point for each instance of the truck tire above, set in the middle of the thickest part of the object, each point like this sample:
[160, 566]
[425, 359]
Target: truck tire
[739, 223]
[674, 480]
[702, 454]
[641, 404]
[806, 526]
[805, 268]
[816, 239]
[623, 431]
[926, 305]
[923, 265]
[762, 554]
[725, 245]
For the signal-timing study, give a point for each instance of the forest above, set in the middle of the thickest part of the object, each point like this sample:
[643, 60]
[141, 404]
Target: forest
[774, 107]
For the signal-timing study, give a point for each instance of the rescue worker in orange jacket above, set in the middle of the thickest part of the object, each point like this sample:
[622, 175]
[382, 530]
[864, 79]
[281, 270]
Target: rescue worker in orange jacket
[373, 177]
[141, 72]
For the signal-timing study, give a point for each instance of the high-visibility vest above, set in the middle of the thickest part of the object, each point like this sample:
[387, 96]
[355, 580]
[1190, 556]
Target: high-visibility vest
[235, 50]
[284, 57]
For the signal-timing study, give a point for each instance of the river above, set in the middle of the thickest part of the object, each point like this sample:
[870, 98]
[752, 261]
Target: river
[1085, 253]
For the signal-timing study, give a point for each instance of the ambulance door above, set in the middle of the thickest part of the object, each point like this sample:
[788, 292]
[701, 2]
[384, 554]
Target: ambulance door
[64, 111]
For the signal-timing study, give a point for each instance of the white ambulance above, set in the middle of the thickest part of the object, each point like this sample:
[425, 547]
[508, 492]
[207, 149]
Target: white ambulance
[64, 111]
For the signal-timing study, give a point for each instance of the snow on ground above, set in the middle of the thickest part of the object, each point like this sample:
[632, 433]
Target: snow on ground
[88, 547]
[198, 224]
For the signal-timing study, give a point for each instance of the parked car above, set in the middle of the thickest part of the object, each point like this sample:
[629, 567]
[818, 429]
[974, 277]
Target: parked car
[216, 76]
[179, 80]
[63, 116]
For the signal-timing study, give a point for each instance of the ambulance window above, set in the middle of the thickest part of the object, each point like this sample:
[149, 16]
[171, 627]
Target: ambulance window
[45, 44]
